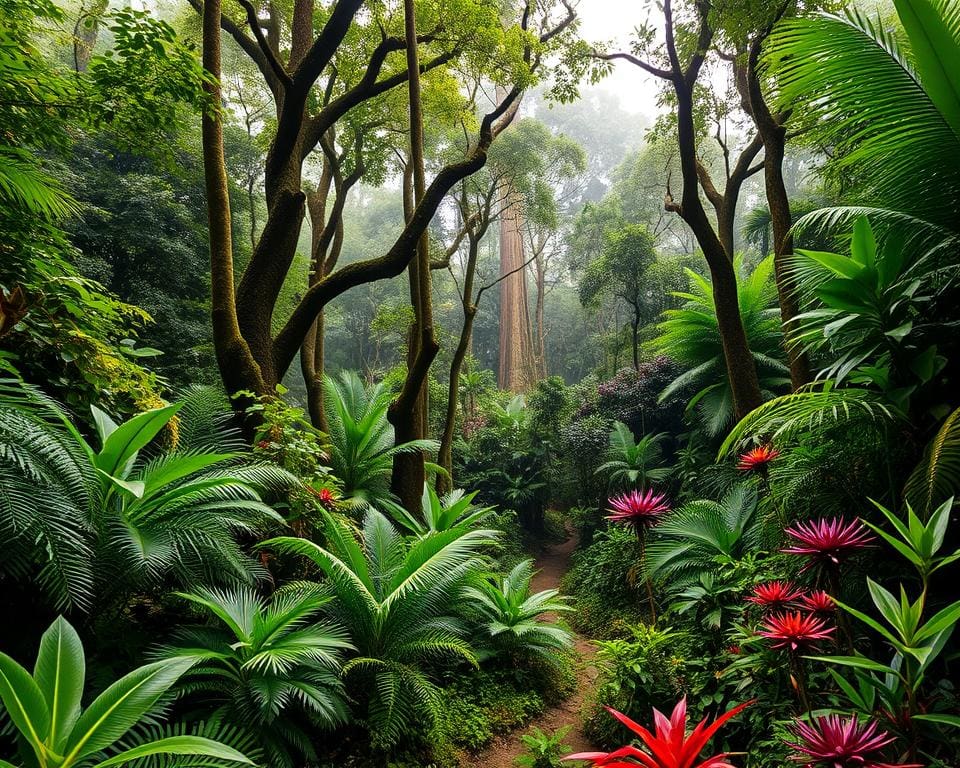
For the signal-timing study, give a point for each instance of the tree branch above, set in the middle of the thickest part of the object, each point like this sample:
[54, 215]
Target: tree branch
[253, 22]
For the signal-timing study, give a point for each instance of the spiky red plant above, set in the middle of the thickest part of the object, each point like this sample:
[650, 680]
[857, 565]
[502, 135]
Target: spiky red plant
[757, 459]
[834, 742]
[775, 595]
[671, 747]
[638, 508]
[818, 602]
[828, 541]
[325, 496]
[794, 630]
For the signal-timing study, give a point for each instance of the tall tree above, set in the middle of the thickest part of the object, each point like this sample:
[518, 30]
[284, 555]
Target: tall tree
[316, 80]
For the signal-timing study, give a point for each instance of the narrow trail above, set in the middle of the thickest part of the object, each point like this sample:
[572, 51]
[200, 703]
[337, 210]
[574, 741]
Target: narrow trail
[551, 566]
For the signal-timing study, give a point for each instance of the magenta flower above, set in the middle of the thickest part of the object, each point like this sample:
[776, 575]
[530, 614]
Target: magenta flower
[638, 508]
[828, 541]
[835, 742]
[794, 631]
[818, 602]
[757, 458]
[775, 595]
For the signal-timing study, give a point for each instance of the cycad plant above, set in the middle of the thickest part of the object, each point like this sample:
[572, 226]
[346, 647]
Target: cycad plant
[514, 622]
[269, 666]
[56, 732]
[441, 513]
[398, 600]
[633, 463]
[361, 438]
[690, 336]
[886, 104]
[77, 516]
[693, 539]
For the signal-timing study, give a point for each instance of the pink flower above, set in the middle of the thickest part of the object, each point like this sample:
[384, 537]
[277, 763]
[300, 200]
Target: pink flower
[672, 747]
[828, 541]
[794, 631]
[818, 602]
[757, 458]
[775, 594]
[835, 742]
[638, 508]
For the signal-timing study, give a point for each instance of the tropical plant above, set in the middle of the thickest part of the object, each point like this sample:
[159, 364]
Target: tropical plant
[672, 746]
[268, 665]
[873, 314]
[690, 336]
[510, 417]
[82, 516]
[512, 620]
[361, 438]
[889, 112]
[634, 463]
[45, 710]
[542, 749]
[441, 513]
[937, 476]
[398, 600]
[695, 538]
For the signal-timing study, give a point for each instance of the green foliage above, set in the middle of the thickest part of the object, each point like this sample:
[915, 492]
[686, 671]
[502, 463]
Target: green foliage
[937, 476]
[690, 336]
[77, 516]
[633, 463]
[361, 438]
[452, 510]
[512, 620]
[45, 709]
[398, 600]
[544, 750]
[268, 666]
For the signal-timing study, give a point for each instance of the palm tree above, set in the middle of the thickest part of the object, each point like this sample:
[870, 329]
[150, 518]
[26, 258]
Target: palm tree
[888, 111]
[361, 438]
[268, 665]
[691, 539]
[399, 601]
[690, 336]
[633, 463]
[513, 620]
[77, 517]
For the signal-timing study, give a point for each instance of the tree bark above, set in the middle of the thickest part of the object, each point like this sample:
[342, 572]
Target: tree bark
[516, 368]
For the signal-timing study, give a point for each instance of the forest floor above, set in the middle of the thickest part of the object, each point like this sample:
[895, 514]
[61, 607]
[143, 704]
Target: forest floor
[551, 565]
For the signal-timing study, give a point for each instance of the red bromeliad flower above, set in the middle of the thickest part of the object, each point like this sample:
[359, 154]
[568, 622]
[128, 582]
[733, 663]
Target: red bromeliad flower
[835, 742]
[757, 458]
[828, 541]
[671, 747]
[795, 630]
[818, 602]
[775, 595]
[637, 508]
[325, 496]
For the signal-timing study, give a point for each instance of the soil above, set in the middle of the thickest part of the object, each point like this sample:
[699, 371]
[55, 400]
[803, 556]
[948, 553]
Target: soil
[503, 752]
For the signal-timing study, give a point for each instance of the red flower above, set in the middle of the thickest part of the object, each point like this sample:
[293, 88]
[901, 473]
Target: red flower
[638, 508]
[263, 444]
[795, 630]
[828, 541]
[757, 458]
[835, 742]
[817, 601]
[775, 594]
[671, 747]
[325, 496]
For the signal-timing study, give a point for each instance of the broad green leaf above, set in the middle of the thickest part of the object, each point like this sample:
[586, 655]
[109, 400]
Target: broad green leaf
[135, 488]
[839, 265]
[841, 293]
[121, 706]
[129, 438]
[941, 719]
[24, 702]
[858, 662]
[936, 56]
[179, 745]
[104, 424]
[863, 247]
[59, 673]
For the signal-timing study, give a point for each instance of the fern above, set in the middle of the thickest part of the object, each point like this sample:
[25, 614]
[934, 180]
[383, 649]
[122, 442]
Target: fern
[937, 476]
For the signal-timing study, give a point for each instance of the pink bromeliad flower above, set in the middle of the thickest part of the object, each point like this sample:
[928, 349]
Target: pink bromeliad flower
[794, 631]
[757, 459]
[817, 602]
[638, 508]
[835, 742]
[828, 541]
[775, 595]
[671, 747]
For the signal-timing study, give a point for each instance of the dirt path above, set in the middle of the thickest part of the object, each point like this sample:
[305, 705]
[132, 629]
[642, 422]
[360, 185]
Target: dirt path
[504, 750]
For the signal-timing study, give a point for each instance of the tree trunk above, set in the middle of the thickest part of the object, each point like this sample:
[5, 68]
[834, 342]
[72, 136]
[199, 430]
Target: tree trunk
[635, 338]
[541, 337]
[85, 33]
[516, 354]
